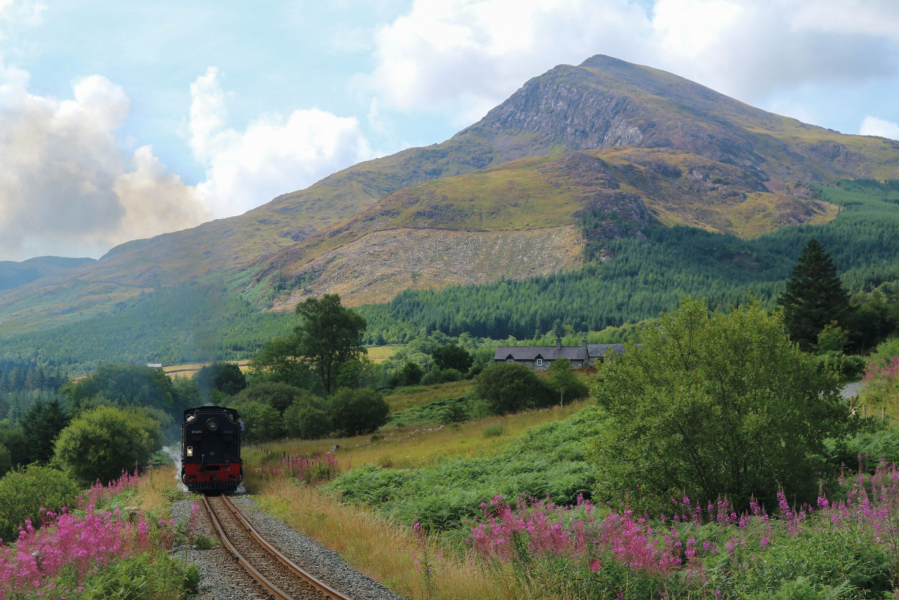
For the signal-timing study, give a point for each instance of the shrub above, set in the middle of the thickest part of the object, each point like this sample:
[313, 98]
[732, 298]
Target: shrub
[357, 411]
[720, 405]
[103, 442]
[453, 357]
[565, 383]
[438, 375]
[509, 387]
[307, 421]
[279, 396]
[882, 376]
[5, 461]
[24, 492]
[123, 385]
[261, 421]
[410, 374]
[223, 377]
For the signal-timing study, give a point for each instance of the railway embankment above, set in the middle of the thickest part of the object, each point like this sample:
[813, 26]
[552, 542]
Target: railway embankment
[222, 578]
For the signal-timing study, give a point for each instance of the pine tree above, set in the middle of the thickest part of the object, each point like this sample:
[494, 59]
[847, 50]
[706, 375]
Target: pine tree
[41, 424]
[814, 296]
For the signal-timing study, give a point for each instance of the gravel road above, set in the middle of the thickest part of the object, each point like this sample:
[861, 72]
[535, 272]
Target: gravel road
[223, 579]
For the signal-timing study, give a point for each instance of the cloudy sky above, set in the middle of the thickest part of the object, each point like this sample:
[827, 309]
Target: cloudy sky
[121, 120]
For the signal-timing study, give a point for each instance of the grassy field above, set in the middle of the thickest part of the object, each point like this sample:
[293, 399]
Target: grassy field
[411, 447]
[188, 369]
[384, 550]
[381, 353]
[413, 396]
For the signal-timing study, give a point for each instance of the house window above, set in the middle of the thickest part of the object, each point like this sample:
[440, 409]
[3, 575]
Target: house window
[539, 362]
[510, 360]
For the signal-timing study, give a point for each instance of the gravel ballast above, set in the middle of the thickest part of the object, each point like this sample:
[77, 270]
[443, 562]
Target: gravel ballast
[222, 578]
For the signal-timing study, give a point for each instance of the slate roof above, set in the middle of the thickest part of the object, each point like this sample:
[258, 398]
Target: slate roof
[544, 352]
[601, 350]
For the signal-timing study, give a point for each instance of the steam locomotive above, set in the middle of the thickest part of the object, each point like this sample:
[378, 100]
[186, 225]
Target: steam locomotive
[210, 449]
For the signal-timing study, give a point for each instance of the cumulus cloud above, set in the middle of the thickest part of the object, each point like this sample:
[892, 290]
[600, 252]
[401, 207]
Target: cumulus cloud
[880, 128]
[65, 185]
[468, 55]
[273, 155]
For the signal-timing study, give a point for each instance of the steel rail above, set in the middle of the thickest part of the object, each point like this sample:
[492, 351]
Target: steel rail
[270, 587]
[319, 585]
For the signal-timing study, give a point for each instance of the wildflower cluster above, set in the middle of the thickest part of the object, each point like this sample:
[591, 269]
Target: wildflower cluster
[305, 468]
[543, 529]
[883, 375]
[708, 551]
[73, 545]
[100, 494]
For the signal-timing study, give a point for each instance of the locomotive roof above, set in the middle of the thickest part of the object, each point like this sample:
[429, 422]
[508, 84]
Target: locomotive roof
[210, 409]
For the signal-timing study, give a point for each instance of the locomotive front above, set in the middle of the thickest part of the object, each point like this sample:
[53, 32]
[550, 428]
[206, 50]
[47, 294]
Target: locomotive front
[210, 449]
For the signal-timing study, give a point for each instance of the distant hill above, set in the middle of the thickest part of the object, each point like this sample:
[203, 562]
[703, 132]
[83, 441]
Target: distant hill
[602, 150]
[15, 274]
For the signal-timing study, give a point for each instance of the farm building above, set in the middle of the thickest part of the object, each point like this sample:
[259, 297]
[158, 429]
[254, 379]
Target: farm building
[541, 357]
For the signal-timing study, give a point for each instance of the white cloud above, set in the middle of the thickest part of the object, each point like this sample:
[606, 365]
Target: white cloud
[465, 56]
[880, 128]
[65, 186]
[272, 156]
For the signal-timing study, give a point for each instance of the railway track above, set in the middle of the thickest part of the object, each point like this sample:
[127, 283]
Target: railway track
[278, 575]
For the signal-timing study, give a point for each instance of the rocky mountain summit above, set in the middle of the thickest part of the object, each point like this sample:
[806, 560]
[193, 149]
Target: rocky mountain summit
[598, 151]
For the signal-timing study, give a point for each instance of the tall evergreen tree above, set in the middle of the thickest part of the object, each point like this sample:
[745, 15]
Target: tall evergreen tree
[814, 296]
[41, 425]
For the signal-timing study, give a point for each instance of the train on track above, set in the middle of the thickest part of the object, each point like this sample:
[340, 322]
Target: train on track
[210, 449]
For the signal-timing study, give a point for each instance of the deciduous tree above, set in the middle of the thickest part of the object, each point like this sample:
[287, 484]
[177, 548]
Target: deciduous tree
[714, 406]
[329, 336]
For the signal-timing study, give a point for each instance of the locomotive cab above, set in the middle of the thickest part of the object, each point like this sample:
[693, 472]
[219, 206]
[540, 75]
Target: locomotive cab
[210, 449]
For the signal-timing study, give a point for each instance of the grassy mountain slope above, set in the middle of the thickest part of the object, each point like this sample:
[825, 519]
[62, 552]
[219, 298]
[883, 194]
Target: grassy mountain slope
[202, 322]
[628, 189]
[629, 112]
[15, 274]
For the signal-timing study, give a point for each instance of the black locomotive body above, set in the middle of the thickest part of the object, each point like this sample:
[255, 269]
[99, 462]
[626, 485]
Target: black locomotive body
[210, 449]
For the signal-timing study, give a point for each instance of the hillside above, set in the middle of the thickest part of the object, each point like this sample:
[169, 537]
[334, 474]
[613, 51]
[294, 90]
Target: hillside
[740, 170]
[15, 274]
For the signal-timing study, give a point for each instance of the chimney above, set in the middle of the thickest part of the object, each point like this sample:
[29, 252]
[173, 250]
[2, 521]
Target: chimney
[585, 342]
[558, 343]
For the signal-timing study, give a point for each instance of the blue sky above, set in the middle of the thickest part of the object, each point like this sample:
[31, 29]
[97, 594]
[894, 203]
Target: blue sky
[129, 119]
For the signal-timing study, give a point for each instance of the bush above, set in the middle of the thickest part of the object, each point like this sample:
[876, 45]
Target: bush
[103, 442]
[564, 382]
[438, 375]
[123, 385]
[24, 492]
[307, 421]
[153, 575]
[715, 406]
[261, 421]
[5, 461]
[357, 411]
[410, 374]
[279, 396]
[223, 377]
[510, 387]
[453, 357]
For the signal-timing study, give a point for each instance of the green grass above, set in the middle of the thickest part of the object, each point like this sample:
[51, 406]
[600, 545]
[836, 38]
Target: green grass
[410, 397]
[547, 460]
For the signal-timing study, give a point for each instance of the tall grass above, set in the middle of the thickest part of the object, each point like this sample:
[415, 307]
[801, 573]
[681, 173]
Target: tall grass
[415, 447]
[384, 550]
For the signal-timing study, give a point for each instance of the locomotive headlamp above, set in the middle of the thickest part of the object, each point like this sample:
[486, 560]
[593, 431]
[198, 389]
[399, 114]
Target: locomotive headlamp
[212, 424]
[190, 451]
